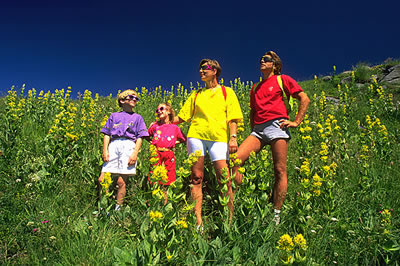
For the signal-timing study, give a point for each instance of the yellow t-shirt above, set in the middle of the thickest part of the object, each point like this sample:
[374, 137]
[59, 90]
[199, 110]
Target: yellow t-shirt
[210, 113]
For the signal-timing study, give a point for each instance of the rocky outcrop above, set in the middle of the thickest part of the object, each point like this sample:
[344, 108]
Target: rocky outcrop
[393, 76]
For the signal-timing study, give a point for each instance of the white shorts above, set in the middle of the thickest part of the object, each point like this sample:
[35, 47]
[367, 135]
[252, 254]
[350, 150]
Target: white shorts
[119, 151]
[217, 150]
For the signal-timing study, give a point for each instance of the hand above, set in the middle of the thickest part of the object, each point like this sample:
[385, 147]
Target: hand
[287, 124]
[132, 159]
[106, 156]
[233, 146]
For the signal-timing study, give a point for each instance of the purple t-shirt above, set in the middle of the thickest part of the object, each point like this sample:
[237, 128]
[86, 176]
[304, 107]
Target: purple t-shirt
[125, 125]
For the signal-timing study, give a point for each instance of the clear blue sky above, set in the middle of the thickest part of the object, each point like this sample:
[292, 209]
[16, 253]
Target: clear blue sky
[108, 45]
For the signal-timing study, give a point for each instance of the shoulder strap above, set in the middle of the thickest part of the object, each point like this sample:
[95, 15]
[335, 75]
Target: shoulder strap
[288, 102]
[254, 87]
[224, 92]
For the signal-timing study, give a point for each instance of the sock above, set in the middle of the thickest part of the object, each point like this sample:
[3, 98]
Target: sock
[277, 212]
[117, 207]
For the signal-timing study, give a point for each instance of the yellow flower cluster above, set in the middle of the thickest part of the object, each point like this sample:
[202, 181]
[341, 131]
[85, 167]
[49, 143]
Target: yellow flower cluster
[285, 243]
[106, 182]
[160, 173]
[324, 152]
[193, 158]
[305, 168]
[300, 241]
[155, 216]
[317, 183]
[386, 216]
[88, 110]
[63, 127]
[182, 224]
[157, 194]
[322, 101]
[15, 109]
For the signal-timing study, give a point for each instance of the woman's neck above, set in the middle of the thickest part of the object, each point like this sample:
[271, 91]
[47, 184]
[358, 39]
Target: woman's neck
[267, 75]
[211, 84]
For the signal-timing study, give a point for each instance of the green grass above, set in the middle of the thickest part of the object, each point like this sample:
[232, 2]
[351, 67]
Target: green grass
[48, 177]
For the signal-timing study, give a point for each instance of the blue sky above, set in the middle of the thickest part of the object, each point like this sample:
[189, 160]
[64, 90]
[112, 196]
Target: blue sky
[104, 46]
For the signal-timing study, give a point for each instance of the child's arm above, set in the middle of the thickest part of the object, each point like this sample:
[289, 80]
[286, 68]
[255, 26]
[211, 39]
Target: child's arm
[133, 157]
[106, 142]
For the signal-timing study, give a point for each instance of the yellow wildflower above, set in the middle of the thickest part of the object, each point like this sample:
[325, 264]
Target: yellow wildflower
[300, 241]
[285, 243]
[155, 216]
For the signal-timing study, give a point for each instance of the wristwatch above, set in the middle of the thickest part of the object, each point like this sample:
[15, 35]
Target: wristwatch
[234, 136]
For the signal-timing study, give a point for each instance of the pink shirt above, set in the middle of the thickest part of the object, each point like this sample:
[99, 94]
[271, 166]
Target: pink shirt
[166, 135]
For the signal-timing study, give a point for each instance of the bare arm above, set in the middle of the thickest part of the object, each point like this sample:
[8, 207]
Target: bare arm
[106, 142]
[304, 102]
[177, 120]
[133, 157]
[233, 146]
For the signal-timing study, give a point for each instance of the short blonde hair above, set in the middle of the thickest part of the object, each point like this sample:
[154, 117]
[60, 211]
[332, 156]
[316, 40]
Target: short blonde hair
[212, 63]
[125, 93]
[277, 62]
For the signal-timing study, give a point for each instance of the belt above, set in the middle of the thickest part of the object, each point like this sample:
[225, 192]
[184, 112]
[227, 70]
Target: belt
[163, 149]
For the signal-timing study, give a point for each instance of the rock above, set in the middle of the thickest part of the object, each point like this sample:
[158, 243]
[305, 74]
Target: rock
[346, 80]
[393, 77]
[327, 78]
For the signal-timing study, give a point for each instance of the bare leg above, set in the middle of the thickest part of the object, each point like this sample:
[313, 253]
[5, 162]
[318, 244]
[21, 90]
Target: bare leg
[99, 180]
[197, 183]
[218, 166]
[121, 192]
[251, 143]
[279, 154]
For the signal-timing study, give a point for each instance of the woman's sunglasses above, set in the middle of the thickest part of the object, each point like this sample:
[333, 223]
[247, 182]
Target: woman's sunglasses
[160, 109]
[132, 97]
[206, 67]
[266, 59]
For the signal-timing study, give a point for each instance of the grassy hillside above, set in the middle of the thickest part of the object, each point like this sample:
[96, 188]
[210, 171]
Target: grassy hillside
[342, 205]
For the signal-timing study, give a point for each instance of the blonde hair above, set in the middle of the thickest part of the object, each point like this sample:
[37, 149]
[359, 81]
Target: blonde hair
[125, 93]
[171, 114]
[277, 62]
[212, 63]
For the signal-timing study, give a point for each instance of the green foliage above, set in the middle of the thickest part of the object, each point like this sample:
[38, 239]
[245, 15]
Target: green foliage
[343, 193]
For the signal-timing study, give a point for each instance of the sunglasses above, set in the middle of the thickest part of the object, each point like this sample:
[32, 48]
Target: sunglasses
[160, 109]
[132, 97]
[206, 67]
[266, 59]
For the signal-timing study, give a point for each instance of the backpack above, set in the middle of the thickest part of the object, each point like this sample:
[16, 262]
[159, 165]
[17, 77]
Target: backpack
[288, 102]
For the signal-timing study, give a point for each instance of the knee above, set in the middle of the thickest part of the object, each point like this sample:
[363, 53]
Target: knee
[280, 171]
[196, 178]
[121, 183]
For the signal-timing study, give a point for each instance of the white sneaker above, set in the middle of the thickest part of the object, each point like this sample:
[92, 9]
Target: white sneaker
[277, 219]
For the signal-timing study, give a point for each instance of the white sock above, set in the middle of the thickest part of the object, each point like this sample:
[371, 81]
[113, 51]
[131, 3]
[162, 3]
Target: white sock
[277, 212]
[117, 207]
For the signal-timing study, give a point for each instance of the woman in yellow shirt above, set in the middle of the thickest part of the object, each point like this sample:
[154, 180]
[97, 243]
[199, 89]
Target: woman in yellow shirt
[214, 112]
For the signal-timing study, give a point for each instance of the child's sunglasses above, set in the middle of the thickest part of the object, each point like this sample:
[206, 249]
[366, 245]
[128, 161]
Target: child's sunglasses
[132, 97]
[266, 59]
[206, 67]
[159, 109]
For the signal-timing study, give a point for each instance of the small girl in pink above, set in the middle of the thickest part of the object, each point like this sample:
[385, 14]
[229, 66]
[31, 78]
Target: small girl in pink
[165, 136]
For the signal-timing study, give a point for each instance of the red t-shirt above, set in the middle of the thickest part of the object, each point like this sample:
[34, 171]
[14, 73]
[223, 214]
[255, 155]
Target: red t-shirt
[165, 135]
[267, 100]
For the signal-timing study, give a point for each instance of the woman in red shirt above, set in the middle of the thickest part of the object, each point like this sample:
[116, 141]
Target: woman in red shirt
[270, 122]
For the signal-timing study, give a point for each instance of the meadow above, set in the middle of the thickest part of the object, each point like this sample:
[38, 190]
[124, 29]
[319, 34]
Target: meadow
[342, 205]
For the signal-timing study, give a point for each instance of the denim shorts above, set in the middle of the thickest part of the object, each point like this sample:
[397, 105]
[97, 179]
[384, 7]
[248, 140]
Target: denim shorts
[269, 131]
